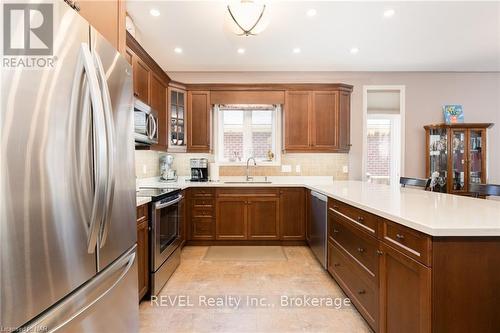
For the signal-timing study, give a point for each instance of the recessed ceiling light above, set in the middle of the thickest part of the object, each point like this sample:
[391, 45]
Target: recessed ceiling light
[389, 13]
[354, 50]
[311, 12]
[178, 50]
[154, 12]
[296, 50]
[241, 50]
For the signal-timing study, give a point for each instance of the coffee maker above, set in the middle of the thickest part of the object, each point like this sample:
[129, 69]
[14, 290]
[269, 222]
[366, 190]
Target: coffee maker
[199, 169]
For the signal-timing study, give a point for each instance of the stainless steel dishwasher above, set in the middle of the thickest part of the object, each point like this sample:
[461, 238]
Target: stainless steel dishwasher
[317, 238]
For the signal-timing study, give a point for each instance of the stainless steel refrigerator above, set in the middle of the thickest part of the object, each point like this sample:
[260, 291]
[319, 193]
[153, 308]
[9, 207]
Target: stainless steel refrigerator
[67, 231]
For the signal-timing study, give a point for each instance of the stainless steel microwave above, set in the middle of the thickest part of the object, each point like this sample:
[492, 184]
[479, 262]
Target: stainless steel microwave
[145, 124]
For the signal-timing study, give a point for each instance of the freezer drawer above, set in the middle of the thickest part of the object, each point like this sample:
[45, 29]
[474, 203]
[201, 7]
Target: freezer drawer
[107, 303]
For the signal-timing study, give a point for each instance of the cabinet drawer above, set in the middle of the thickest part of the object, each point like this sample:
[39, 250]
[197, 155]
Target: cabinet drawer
[202, 192]
[203, 212]
[142, 213]
[247, 192]
[362, 249]
[202, 228]
[359, 218]
[411, 242]
[202, 202]
[362, 293]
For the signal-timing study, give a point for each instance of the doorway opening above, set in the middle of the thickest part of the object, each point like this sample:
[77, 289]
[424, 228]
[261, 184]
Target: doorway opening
[383, 133]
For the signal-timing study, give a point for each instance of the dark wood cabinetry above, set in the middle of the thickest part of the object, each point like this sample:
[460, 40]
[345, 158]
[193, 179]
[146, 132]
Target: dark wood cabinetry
[201, 214]
[231, 221]
[405, 293]
[143, 249]
[158, 102]
[199, 120]
[151, 87]
[457, 152]
[317, 120]
[263, 218]
[292, 213]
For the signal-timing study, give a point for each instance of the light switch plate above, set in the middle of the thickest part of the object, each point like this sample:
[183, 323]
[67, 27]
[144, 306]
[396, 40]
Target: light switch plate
[345, 169]
[297, 168]
[286, 168]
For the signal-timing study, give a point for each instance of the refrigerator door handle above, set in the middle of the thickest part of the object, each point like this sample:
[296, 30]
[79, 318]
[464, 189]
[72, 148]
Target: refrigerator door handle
[69, 309]
[110, 135]
[85, 67]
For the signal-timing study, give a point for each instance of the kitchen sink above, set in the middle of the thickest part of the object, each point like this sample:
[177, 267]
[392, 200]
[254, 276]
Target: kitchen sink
[247, 182]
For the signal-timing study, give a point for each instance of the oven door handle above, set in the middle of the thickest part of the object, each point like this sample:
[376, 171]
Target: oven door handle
[170, 203]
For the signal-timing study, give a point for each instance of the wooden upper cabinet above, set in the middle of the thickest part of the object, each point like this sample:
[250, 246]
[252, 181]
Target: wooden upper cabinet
[158, 102]
[298, 107]
[292, 213]
[263, 218]
[405, 292]
[199, 120]
[141, 79]
[324, 124]
[344, 121]
[108, 18]
[317, 121]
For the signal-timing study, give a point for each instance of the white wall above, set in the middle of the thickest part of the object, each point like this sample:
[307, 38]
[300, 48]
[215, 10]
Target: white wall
[426, 92]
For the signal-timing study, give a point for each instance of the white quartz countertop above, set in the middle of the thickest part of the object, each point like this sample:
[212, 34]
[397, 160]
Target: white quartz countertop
[143, 200]
[436, 214]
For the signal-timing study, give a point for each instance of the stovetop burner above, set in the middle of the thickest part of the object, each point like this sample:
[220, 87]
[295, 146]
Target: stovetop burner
[157, 193]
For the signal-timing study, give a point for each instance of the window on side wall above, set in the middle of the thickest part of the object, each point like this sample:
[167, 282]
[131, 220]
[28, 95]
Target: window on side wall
[245, 131]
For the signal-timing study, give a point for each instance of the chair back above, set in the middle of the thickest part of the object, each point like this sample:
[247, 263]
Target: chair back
[416, 182]
[484, 190]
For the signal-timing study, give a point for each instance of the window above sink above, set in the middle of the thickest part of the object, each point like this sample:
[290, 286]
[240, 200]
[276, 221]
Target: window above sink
[248, 130]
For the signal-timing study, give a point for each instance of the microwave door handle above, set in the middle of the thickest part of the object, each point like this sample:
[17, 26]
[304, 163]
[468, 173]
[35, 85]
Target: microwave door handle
[86, 66]
[152, 123]
[170, 203]
[110, 134]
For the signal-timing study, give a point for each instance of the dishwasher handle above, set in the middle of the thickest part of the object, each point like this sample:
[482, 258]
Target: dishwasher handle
[319, 196]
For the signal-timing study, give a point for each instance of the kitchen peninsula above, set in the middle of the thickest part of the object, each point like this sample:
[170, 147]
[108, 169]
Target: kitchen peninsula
[391, 249]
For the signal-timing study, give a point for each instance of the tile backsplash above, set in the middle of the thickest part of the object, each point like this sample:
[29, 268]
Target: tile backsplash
[320, 164]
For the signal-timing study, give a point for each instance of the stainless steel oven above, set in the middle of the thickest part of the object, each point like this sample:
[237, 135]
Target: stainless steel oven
[145, 124]
[165, 239]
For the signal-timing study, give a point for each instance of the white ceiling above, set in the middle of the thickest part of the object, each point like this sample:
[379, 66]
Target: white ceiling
[421, 36]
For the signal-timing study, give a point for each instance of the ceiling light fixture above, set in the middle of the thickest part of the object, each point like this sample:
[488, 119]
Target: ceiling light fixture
[311, 12]
[354, 50]
[241, 51]
[248, 17]
[389, 13]
[296, 50]
[178, 50]
[154, 12]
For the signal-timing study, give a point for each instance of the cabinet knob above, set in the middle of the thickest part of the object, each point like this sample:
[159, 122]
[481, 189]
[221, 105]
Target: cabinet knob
[336, 231]
[361, 219]
[335, 207]
[380, 252]
[399, 236]
[362, 292]
[336, 264]
[361, 250]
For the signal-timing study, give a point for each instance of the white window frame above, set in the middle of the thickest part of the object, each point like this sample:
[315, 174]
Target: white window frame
[219, 140]
[402, 97]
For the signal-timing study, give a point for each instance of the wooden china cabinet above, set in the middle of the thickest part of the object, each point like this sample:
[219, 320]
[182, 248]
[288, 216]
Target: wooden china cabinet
[458, 153]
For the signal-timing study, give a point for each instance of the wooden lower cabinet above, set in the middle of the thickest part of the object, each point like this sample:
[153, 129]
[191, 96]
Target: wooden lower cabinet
[263, 218]
[143, 250]
[231, 218]
[201, 214]
[292, 213]
[405, 293]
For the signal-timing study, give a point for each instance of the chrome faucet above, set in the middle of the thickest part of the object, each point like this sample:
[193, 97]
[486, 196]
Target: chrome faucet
[254, 163]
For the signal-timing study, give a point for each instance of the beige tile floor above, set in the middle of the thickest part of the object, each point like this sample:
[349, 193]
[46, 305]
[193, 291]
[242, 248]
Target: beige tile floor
[183, 305]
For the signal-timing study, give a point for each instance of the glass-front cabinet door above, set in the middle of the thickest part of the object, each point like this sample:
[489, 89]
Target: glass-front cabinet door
[177, 116]
[459, 160]
[476, 163]
[438, 157]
